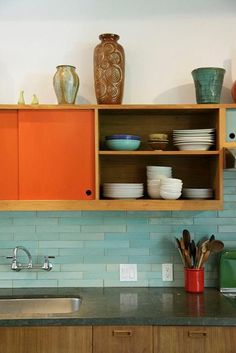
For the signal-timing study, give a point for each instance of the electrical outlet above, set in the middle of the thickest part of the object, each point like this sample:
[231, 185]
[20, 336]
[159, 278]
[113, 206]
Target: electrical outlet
[167, 272]
[128, 272]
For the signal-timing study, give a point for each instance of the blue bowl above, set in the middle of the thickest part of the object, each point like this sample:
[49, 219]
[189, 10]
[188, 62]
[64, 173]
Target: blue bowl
[123, 144]
[122, 137]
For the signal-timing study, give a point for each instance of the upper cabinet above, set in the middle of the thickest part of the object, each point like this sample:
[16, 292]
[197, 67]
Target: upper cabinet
[56, 158]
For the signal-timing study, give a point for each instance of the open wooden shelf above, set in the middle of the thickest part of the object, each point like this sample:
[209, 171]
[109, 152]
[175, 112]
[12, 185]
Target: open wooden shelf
[111, 205]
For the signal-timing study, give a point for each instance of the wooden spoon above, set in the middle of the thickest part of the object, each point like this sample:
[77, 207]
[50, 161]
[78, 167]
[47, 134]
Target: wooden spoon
[215, 246]
[180, 251]
[205, 257]
[185, 253]
[203, 249]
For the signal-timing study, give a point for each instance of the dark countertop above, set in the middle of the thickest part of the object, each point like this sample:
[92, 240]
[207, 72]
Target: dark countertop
[129, 306]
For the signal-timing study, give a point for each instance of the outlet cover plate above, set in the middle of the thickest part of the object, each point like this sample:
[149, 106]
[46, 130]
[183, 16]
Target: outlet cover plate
[167, 272]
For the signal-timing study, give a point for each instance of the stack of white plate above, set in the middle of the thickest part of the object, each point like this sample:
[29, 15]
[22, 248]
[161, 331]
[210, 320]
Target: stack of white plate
[154, 176]
[194, 139]
[190, 193]
[171, 188]
[123, 190]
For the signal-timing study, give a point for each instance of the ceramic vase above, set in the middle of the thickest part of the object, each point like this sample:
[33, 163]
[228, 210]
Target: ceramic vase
[109, 70]
[66, 84]
[208, 83]
[233, 91]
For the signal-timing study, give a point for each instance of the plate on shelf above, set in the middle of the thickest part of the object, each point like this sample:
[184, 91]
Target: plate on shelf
[194, 131]
[197, 193]
[193, 146]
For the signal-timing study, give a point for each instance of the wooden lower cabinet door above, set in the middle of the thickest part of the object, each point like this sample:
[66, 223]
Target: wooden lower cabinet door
[122, 339]
[58, 339]
[199, 339]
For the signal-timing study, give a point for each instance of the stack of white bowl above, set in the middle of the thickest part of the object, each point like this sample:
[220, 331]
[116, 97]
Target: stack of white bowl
[123, 190]
[154, 176]
[171, 188]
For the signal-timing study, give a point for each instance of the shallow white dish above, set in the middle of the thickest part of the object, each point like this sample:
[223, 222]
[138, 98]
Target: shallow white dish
[197, 193]
[187, 139]
[193, 146]
[194, 131]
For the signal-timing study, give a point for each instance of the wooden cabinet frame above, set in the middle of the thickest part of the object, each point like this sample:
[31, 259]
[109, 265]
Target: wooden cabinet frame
[103, 157]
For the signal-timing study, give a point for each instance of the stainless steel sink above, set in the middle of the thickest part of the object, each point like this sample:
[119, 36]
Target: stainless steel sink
[40, 306]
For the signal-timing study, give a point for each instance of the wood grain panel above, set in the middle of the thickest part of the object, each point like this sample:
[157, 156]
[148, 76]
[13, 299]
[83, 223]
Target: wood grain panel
[199, 339]
[122, 339]
[59, 339]
[179, 339]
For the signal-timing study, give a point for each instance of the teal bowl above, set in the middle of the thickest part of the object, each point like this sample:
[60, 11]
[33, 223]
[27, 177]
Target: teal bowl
[123, 145]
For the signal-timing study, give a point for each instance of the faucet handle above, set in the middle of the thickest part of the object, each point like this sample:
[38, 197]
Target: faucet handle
[47, 265]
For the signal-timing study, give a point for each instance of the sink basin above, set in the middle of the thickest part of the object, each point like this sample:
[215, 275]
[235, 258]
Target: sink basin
[40, 306]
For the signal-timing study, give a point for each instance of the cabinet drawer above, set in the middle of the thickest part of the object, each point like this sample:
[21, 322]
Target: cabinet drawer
[117, 339]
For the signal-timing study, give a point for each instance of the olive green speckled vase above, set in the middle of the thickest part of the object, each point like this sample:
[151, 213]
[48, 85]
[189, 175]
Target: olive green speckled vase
[66, 84]
[208, 83]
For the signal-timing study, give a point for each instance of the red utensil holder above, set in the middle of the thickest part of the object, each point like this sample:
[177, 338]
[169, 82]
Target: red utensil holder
[194, 280]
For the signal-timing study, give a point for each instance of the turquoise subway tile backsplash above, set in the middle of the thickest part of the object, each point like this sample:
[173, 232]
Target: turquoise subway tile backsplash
[89, 246]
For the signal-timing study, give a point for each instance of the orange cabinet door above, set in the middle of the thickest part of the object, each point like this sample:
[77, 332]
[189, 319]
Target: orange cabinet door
[8, 155]
[56, 155]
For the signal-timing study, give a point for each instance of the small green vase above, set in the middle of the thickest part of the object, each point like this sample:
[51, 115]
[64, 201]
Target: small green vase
[66, 84]
[208, 83]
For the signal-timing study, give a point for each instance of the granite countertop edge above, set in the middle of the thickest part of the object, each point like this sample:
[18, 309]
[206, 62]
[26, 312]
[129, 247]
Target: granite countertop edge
[128, 306]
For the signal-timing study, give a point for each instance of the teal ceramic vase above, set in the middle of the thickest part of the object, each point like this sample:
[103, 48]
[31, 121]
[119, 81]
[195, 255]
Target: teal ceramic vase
[208, 83]
[66, 84]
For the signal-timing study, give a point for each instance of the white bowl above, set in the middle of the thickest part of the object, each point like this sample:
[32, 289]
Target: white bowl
[156, 167]
[154, 182]
[158, 175]
[170, 189]
[154, 194]
[171, 181]
[170, 195]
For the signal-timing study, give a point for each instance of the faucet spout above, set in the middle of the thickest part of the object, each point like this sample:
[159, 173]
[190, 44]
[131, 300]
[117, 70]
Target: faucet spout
[15, 264]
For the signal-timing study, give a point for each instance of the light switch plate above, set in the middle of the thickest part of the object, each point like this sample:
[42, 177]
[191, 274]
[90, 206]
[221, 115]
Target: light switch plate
[128, 272]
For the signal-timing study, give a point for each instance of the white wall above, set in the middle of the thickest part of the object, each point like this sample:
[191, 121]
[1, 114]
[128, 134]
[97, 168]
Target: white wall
[163, 41]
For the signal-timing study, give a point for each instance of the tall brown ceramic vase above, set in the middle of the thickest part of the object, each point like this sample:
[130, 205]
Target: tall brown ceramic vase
[109, 70]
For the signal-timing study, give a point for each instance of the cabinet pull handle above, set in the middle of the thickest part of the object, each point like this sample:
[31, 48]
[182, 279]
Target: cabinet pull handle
[123, 333]
[197, 334]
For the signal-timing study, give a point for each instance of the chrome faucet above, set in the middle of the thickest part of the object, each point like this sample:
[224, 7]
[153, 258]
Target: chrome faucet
[17, 266]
